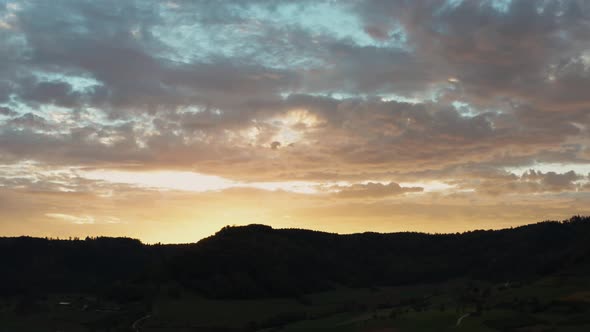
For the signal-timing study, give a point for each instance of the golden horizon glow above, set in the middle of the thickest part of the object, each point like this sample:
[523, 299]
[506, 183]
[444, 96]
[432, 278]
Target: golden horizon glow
[178, 119]
[181, 207]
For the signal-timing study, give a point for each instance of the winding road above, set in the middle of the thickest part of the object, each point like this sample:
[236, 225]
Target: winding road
[461, 318]
[136, 325]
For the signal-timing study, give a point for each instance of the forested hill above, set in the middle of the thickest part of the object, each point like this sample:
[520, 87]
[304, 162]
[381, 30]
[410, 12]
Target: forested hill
[258, 261]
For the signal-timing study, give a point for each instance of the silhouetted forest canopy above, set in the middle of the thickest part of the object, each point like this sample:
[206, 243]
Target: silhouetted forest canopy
[257, 261]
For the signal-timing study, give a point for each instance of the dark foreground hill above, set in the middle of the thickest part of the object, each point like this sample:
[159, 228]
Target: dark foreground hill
[257, 261]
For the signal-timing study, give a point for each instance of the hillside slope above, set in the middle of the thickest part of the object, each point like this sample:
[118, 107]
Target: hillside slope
[257, 261]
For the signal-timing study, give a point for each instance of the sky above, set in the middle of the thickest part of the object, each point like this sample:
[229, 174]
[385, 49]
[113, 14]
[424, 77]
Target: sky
[167, 120]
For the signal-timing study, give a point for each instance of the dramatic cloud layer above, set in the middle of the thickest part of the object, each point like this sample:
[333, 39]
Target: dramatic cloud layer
[341, 116]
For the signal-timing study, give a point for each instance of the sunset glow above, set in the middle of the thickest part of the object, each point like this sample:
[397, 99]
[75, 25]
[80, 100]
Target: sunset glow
[166, 121]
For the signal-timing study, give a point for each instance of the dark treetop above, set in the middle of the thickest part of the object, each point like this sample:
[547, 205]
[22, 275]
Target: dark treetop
[259, 261]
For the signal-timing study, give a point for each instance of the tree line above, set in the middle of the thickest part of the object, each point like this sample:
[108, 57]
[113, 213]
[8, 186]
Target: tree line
[258, 261]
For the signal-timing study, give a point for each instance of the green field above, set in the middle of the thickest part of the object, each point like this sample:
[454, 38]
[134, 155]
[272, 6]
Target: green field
[551, 304]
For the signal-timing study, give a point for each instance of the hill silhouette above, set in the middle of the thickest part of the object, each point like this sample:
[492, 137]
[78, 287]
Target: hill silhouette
[257, 261]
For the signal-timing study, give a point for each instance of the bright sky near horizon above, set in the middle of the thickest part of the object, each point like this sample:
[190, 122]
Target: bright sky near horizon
[167, 120]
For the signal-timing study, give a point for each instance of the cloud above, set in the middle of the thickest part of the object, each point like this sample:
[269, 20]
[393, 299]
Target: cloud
[275, 145]
[220, 106]
[79, 220]
[29, 121]
[322, 93]
[7, 111]
[552, 181]
[373, 190]
[530, 182]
